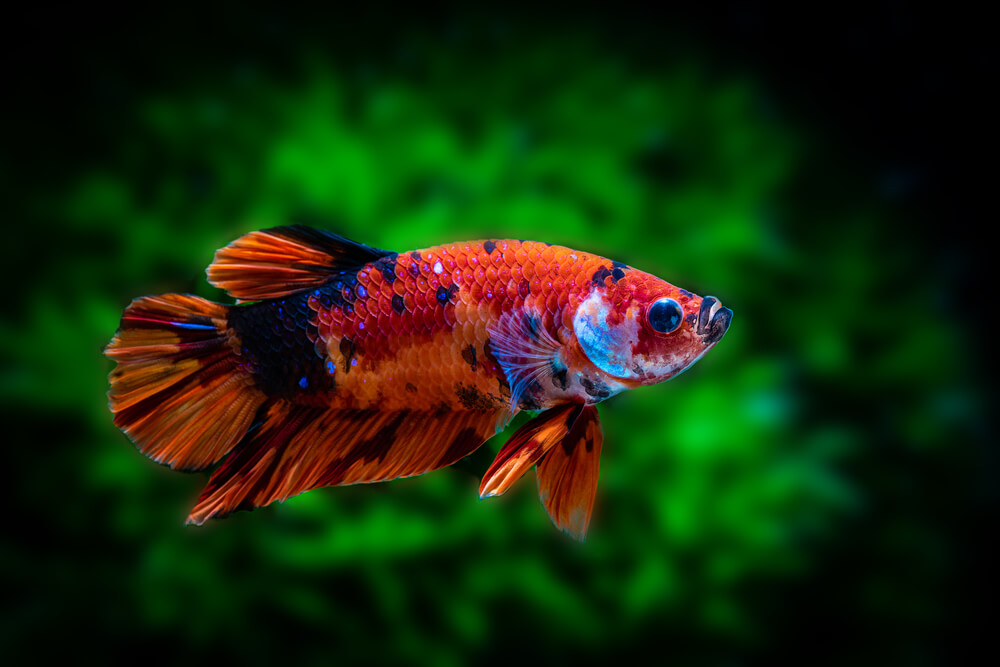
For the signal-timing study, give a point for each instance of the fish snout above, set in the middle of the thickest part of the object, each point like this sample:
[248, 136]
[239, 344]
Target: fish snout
[713, 320]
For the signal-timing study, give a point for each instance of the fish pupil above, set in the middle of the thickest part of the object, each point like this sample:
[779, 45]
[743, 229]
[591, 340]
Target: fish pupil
[665, 315]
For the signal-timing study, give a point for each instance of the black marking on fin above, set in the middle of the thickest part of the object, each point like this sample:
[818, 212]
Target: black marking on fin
[397, 303]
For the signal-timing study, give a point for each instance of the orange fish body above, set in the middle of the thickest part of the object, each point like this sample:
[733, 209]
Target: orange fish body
[362, 365]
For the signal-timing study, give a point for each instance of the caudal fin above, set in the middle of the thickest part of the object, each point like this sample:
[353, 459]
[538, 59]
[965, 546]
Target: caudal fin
[178, 391]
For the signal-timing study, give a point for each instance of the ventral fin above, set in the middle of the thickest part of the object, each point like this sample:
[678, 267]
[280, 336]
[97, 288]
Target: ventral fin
[567, 475]
[527, 353]
[527, 446]
[275, 262]
[300, 448]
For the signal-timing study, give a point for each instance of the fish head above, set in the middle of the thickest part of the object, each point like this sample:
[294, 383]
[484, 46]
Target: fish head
[641, 330]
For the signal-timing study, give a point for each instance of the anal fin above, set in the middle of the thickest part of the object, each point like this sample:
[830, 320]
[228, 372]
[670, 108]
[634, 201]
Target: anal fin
[300, 448]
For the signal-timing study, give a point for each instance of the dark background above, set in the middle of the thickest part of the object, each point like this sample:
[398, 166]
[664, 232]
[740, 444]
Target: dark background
[884, 108]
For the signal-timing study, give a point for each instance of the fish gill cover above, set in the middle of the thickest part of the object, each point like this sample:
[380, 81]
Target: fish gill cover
[726, 500]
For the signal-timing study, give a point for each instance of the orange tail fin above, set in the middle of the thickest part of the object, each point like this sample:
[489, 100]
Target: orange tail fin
[178, 391]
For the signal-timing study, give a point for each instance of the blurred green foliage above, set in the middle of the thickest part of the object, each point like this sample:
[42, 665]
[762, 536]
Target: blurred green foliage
[720, 492]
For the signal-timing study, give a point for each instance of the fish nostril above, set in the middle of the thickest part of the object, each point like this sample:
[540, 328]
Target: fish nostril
[706, 312]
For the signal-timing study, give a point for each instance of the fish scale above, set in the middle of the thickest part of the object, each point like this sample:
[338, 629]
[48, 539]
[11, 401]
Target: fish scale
[343, 363]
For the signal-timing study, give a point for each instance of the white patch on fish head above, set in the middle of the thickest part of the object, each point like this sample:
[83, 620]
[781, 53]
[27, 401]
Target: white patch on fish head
[608, 346]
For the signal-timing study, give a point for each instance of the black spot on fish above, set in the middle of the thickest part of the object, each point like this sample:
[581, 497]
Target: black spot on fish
[617, 274]
[410, 387]
[397, 303]
[469, 354]
[464, 442]
[347, 350]
[473, 399]
[619, 265]
[441, 408]
[595, 388]
[389, 273]
[443, 295]
[489, 247]
[685, 292]
[558, 374]
[523, 289]
[415, 256]
[414, 270]
[600, 275]
[453, 290]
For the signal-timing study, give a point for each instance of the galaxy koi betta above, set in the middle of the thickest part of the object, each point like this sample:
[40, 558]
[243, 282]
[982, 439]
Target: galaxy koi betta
[341, 364]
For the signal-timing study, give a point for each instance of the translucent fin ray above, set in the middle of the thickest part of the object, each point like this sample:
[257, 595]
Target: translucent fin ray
[299, 448]
[177, 391]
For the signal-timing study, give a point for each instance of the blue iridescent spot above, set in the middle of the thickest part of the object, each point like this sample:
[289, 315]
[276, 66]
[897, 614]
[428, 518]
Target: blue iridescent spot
[361, 325]
[362, 292]
[303, 382]
[197, 327]
[331, 368]
[354, 362]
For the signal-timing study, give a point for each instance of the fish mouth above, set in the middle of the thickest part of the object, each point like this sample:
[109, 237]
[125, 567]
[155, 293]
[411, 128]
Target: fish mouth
[713, 320]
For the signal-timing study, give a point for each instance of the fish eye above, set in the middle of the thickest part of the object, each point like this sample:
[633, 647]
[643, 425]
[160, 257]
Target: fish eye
[665, 316]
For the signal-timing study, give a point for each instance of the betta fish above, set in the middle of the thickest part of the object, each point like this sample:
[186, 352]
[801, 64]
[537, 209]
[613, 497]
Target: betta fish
[341, 364]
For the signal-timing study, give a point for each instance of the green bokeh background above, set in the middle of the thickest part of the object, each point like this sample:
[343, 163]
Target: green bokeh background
[807, 490]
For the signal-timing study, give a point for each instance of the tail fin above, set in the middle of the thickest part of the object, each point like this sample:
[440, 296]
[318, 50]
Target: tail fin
[178, 391]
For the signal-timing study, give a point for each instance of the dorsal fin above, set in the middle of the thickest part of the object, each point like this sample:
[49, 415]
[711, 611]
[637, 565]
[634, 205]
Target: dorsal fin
[275, 262]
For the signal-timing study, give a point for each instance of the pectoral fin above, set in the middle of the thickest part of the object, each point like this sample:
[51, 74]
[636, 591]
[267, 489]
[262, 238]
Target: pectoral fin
[567, 475]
